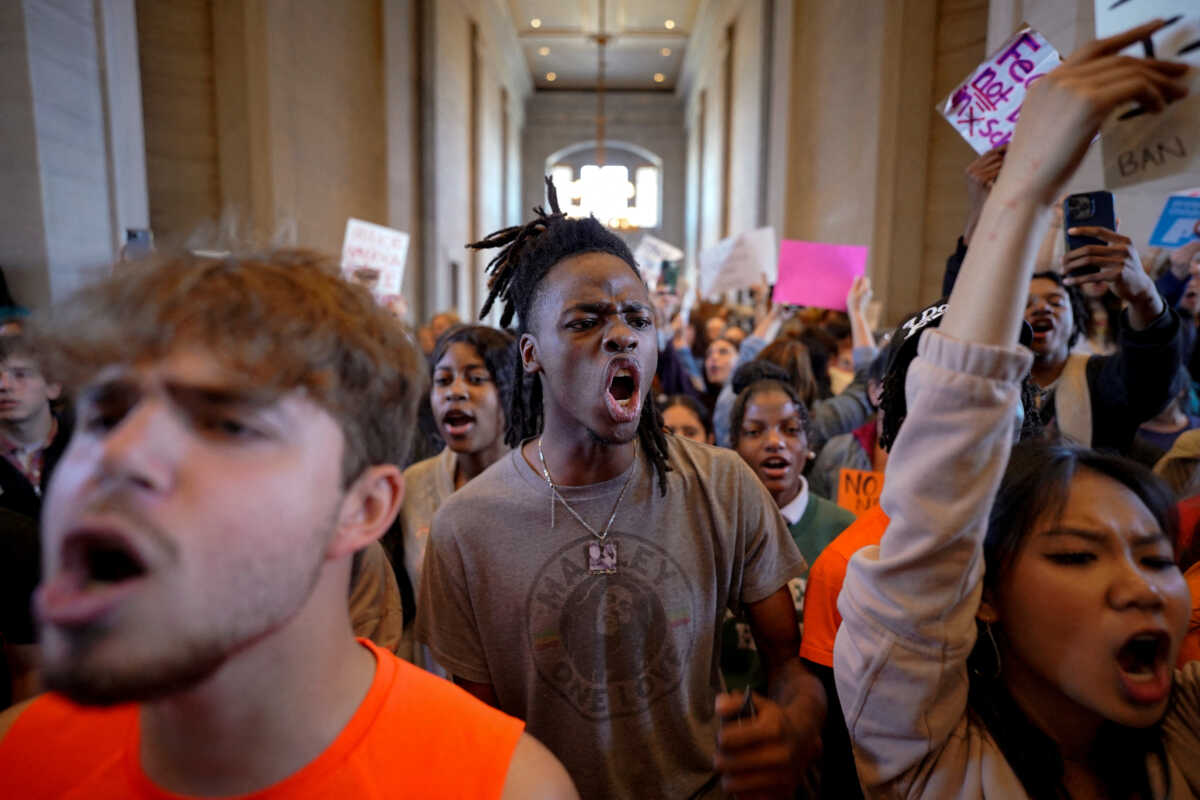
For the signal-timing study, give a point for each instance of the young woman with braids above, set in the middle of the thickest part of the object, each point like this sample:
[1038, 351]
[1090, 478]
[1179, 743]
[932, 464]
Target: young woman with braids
[578, 583]
[1013, 633]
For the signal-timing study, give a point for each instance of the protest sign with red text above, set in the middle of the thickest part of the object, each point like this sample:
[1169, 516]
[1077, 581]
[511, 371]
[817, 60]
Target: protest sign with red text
[985, 107]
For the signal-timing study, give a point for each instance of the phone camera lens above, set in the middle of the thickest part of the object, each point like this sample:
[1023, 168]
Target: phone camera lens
[1079, 206]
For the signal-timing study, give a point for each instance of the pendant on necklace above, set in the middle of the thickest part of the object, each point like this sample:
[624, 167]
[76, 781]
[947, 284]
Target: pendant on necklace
[602, 557]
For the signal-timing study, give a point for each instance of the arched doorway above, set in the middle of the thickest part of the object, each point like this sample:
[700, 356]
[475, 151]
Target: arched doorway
[625, 193]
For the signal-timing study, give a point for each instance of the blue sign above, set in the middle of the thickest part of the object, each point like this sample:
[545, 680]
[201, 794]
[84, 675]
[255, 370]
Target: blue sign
[1178, 223]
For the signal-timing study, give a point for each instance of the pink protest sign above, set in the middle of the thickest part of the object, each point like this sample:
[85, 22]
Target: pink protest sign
[985, 107]
[816, 274]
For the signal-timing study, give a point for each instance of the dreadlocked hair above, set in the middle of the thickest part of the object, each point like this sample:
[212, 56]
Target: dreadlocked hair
[526, 255]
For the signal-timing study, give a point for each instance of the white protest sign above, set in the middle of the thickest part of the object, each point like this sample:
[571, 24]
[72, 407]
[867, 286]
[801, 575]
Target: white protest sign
[711, 261]
[984, 107]
[1141, 147]
[374, 256]
[739, 262]
[651, 253]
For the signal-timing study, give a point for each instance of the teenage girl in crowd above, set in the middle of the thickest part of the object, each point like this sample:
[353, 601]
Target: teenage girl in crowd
[1066, 567]
[770, 433]
[473, 377]
[684, 416]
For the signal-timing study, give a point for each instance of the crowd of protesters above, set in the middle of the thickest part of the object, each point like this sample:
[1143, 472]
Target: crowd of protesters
[259, 538]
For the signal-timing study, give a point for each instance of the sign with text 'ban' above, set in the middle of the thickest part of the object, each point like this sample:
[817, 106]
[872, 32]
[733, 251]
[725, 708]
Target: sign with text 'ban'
[859, 489]
[374, 256]
[1139, 146]
[985, 107]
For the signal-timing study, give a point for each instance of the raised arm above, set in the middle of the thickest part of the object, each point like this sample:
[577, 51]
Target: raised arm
[1061, 115]
[858, 299]
[908, 606]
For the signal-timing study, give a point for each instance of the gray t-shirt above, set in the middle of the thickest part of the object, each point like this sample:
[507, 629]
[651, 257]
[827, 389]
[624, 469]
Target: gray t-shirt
[616, 674]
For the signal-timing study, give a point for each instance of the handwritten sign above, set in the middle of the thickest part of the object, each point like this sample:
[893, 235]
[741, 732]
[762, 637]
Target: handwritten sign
[374, 256]
[985, 107]
[859, 489]
[816, 274]
[1136, 146]
[739, 262]
[1178, 224]
[650, 254]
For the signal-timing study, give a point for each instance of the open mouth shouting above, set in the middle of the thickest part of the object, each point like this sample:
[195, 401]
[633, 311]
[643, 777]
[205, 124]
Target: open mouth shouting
[98, 568]
[458, 422]
[774, 467]
[622, 395]
[1043, 329]
[1144, 668]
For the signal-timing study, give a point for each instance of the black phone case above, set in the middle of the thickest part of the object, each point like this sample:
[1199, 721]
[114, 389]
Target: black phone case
[1102, 215]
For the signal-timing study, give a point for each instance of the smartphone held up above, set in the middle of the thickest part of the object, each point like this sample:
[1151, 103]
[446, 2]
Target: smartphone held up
[1087, 210]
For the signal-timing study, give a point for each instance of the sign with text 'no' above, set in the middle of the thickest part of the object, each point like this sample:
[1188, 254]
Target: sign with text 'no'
[985, 107]
[374, 256]
[859, 489]
[1140, 146]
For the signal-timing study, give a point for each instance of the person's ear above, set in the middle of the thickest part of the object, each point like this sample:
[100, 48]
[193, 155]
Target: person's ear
[368, 509]
[529, 354]
[53, 391]
[987, 612]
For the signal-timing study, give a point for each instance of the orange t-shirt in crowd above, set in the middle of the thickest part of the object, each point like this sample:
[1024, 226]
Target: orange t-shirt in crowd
[825, 579]
[1190, 650]
[414, 736]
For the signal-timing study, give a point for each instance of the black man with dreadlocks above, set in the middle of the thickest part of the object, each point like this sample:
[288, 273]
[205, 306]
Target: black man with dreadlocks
[579, 582]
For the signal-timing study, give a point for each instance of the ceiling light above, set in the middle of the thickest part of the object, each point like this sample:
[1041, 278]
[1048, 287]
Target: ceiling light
[552, 76]
[537, 23]
[670, 24]
[659, 77]
[666, 51]
[543, 51]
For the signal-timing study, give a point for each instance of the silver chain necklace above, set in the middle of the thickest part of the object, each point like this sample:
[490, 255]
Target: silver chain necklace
[556, 496]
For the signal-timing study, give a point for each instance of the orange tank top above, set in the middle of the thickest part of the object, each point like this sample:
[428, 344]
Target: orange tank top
[414, 736]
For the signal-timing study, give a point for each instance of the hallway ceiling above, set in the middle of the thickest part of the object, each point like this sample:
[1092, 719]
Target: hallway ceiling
[637, 32]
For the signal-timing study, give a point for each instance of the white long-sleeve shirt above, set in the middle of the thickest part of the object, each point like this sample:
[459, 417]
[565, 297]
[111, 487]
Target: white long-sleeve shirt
[909, 604]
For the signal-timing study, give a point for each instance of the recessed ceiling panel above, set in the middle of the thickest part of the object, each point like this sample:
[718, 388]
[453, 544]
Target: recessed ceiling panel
[644, 41]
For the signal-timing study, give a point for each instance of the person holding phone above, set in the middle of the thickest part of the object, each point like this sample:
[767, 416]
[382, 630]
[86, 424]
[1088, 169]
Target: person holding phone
[1093, 400]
